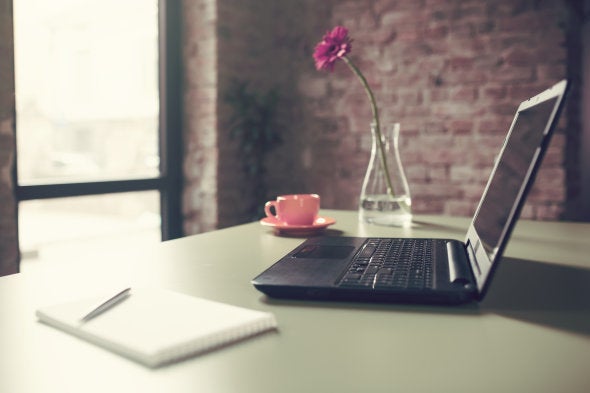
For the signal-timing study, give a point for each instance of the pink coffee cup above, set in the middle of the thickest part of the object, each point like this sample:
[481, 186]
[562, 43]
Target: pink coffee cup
[294, 209]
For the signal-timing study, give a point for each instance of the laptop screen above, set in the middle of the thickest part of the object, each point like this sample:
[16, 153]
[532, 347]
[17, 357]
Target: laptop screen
[509, 178]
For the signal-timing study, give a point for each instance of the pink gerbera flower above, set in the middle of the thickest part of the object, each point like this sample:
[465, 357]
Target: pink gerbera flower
[334, 45]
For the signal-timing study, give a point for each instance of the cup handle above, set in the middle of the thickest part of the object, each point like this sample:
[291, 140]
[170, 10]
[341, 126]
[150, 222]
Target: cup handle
[267, 207]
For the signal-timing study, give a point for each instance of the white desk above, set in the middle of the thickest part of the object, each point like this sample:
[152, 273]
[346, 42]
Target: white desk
[530, 339]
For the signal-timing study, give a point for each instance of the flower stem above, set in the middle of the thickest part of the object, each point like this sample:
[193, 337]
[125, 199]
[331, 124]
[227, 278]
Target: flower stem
[374, 109]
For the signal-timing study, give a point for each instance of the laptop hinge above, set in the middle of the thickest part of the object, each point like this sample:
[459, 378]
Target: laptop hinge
[458, 263]
[472, 258]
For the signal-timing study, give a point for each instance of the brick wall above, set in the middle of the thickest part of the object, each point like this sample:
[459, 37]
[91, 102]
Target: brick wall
[451, 72]
[9, 255]
[200, 117]
[261, 43]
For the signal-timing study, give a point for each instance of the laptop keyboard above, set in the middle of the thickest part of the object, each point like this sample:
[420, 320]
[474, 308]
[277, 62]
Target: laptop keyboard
[392, 264]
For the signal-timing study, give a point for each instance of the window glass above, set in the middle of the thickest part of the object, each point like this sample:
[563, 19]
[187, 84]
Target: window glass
[87, 229]
[86, 89]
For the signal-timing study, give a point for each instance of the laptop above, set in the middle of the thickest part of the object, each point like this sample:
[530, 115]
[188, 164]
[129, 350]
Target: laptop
[431, 271]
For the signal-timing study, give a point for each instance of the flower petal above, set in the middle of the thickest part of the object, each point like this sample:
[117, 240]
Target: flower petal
[334, 45]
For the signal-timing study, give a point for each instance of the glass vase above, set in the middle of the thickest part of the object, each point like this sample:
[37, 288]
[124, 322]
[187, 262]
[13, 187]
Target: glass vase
[385, 196]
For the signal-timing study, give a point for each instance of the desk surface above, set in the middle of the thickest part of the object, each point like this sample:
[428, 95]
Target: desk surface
[530, 334]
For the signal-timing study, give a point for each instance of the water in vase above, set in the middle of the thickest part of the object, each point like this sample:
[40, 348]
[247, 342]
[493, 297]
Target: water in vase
[385, 195]
[385, 210]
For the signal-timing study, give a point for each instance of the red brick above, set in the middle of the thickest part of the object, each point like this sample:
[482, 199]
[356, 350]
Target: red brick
[427, 206]
[461, 63]
[524, 91]
[438, 94]
[519, 56]
[436, 33]
[513, 74]
[551, 71]
[524, 22]
[459, 208]
[467, 93]
[548, 211]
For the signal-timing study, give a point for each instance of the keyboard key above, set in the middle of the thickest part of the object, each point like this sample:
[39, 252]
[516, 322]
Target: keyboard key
[392, 263]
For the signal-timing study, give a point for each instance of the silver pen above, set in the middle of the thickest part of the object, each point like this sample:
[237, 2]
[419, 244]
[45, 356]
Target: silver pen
[111, 302]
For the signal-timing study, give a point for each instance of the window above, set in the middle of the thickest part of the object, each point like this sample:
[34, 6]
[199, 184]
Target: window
[98, 125]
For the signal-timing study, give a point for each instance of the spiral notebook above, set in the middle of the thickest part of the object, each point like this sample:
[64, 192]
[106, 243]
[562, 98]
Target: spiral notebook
[156, 326]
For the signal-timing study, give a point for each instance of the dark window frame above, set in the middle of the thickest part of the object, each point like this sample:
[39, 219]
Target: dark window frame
[169, 182]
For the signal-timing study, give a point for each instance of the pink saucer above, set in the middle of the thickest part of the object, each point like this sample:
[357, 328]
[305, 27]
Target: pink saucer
[281, 228]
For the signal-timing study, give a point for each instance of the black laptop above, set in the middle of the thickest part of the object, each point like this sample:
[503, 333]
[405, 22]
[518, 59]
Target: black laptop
[434, 271]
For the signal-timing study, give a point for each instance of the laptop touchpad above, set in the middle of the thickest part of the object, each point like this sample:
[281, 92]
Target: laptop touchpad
[324, 252]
